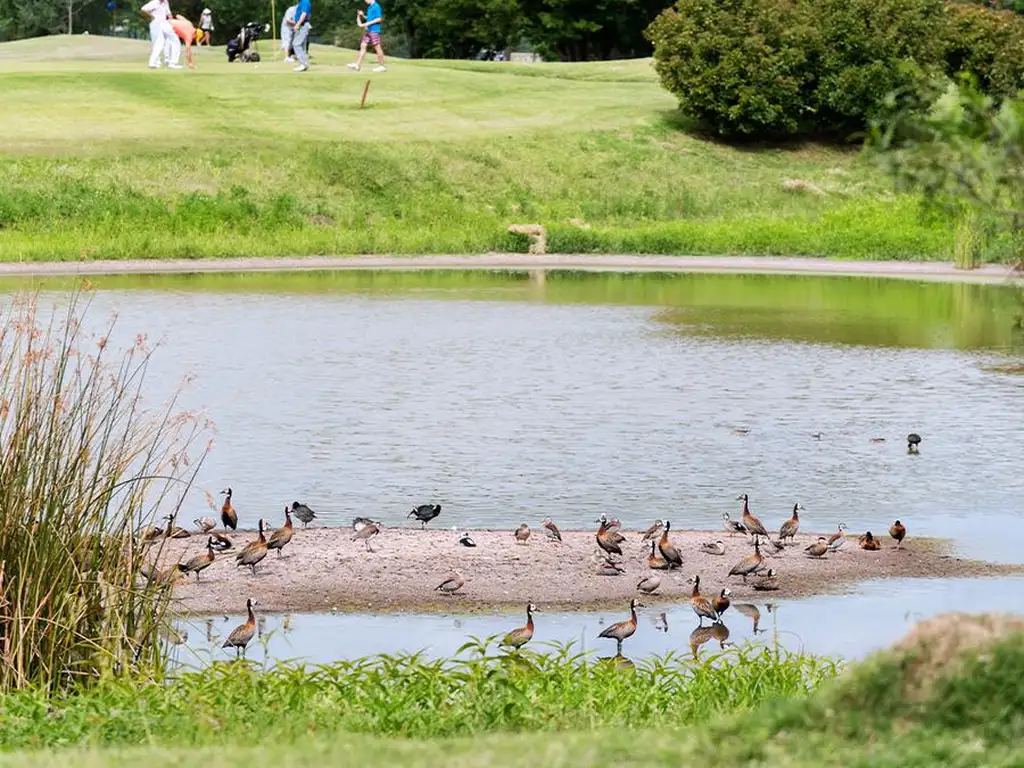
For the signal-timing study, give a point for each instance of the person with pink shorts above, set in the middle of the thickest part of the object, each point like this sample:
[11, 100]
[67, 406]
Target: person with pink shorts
[370, 22]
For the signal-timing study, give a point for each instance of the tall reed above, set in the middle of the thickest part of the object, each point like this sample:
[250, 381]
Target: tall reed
[83, 461]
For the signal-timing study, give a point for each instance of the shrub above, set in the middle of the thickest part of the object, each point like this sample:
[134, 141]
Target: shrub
[987, 44]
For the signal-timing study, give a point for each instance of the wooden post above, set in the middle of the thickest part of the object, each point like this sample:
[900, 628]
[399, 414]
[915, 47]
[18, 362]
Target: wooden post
[366, 90]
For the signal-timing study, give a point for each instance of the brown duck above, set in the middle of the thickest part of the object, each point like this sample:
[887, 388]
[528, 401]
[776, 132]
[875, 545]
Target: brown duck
[870, 543]
[517, 638]
[552, 529]
[749, 564]
[654, 531]
[199, 562]
[899, 532]
[253, 552]
[522, 534]
[818, 548]
[655, 561]
[668, 550]
[720, 603]
[791, 526]
[623, 630]
[228, 516]
[767, 582]
[451, 585]
[243, 633]
[700, 604]
[370, 530]
[280, 538]
[751, 523]
[606, 542]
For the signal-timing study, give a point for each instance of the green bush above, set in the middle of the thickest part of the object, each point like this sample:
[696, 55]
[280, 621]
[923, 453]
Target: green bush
[989, 45]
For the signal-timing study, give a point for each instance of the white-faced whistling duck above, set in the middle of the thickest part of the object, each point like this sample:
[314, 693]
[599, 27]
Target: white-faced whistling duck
[451, 585]
[767, 582]
[818, 548]
[254, 551]
[205, 524]
[913, 442]
[623, 629]
[425, 513]
[837, 539]
[649, 584]
[199, 562]
[899, 532]
[605, 541]
[654, 560]
[358, 523]
[552, 529]
[668, 550]
[243, 633]
[870, 543]
[791, 526]
[366, 533]
[150, 532]
[654, 531]
[280, 538]
[522, 534]
[173, 531]
[751, 523]
[517, 638]
[720, 602]
[304, 514]
[221, 542]
[228, 516]
[611, 528]
[731, 526]
[466, 540]
[716, 547]
[700, 604]
[749, 564]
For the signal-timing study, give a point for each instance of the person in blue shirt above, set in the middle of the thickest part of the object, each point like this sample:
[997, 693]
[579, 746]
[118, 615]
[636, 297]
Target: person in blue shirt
[370, 21]
[300, 35]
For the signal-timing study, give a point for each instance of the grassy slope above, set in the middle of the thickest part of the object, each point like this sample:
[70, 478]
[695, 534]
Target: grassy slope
[103, 158]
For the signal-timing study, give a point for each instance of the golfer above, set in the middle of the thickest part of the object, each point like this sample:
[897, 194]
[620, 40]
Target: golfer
[186, 33]
[300, 37]
[206, 24]
[287, 32]
[371, 23]
[160, 31]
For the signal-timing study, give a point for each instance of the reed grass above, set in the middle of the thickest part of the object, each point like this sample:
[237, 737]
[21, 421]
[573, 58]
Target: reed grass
[82, 461]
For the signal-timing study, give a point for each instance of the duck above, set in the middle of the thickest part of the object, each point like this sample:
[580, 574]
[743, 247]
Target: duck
[517, 638]
[466, 540]
[282, 536]
[606, 542]
[913, 442]
[749, 564]
[751, 612]
[205, 524]
[221, 543]
[668, 550]
[148, 533]
[366, 533]
[522, 534]
[654, 531]
[700, 604]
[606, 567]
[623, 630]
[253, 552]
[199, 562]
[304, 514]
[613, 525]
[877, 439]
[228, 515]
[767, 582]
[899, 532]
[731, 526]
[611, 529]
[358, 523]
[870, 543]
[720, 603]
[818, 548]
[173, 531]
[655, 561]
[649, 584]
[791, 526]
[716, 547]
[425, 513]
[751, 523]
[775, 544]
[552, 529]
[451, 585]
[837, 539]
[243, 633]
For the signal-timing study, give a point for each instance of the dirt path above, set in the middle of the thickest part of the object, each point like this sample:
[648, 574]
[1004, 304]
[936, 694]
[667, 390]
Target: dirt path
[913, 270]
[322, 569]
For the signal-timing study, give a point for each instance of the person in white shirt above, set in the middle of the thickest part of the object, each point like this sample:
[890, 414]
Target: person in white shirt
[287, 31]
[161, 34]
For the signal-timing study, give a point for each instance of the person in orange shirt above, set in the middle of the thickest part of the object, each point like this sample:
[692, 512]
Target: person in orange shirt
[186, 32]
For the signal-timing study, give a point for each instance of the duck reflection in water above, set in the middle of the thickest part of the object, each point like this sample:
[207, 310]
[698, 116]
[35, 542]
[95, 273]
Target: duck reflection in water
[660, 622]
[751, 612]
[702, 635]
[619, 662]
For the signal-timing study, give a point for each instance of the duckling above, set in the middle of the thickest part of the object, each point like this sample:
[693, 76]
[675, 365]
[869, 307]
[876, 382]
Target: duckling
[700, 604]
[767, 582]
[253, 552]
[366, 533]
[228, 515]
[655, 561]
[451, 585]
[668, 551]
[716, 547]
[818, 548]
[522, 534]
[205, 524]
[304, 514]
[837, 539]
[243, 633]
[552, 529]
[466, 540]
[899, 532]
[870, 543]
[749, 564]
[654, 531]
[720, 603]
[358, 523]
[731, 526]
[221, 542]
[791, 526]
[199, 562]
[605, 541]
[517, 638]
[751, 523]
[913, 442]
[623, 630]
[282, 536]
[425, 513]
[649, 584]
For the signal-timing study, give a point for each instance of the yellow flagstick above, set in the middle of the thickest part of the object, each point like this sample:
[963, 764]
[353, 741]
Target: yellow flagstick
[366, 90]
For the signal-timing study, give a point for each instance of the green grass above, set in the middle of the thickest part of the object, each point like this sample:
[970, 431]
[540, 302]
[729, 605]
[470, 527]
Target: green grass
[105, 159]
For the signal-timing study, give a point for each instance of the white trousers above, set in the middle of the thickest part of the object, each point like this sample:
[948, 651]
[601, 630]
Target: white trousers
[172, 45]
[156, 37]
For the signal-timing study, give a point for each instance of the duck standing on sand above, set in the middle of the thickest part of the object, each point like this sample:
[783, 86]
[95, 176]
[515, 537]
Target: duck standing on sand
[282, 536]
[199, 562]
[366, 533]
[303, 514]
[899, 532]
[522, 534]
[731, 526]
[654, 531]
[228, 515]
[254, 551]
[606, 541]
[837, 539]
[552, 529]
[668, 550]
[791, 526]
[751, 523]
[749, 564]
[425, 513]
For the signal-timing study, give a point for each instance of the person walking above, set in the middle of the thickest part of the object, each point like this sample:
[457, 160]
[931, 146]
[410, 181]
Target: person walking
[159, 12]
[206, 24]
[300, 37]
[371, 23]
[287, 32]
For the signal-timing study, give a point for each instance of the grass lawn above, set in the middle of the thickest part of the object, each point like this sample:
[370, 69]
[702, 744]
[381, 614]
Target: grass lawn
[103, 158]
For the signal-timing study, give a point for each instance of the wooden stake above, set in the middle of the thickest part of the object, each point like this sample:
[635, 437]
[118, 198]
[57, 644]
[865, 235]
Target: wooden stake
[366, 90]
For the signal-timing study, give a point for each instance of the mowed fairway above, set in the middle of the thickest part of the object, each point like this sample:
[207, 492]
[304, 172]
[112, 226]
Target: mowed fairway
[103, 158]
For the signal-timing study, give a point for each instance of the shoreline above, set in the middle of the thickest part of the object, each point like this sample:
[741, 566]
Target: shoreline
[767, 265]
[323, 570]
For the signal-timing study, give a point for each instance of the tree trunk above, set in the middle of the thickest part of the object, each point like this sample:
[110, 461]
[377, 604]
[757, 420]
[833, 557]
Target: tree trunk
[71, 6]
